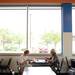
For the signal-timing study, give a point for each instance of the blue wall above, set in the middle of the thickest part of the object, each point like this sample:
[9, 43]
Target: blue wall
[66, 17]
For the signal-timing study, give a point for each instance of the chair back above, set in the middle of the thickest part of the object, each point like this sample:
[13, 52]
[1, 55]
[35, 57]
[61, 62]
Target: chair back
[9, 62]
[1, 61]
[73, 63]
[67, 61]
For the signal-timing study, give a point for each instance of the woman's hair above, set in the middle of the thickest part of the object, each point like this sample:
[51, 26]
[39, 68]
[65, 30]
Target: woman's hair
[53, 53]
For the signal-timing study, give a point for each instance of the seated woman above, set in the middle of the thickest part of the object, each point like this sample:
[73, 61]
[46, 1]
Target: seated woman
[53, 60]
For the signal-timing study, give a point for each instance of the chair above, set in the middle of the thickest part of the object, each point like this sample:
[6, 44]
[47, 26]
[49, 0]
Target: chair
[59, 67]
[69, 67]
[71, 70]
[1, 61]
[73, 63]
[6, 67]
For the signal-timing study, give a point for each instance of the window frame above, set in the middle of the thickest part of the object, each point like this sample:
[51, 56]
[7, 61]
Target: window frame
[73, 36]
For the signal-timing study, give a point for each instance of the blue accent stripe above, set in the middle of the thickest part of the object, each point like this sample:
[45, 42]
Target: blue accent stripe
[67, 17]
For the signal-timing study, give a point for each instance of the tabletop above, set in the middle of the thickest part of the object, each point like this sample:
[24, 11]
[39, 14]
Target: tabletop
[38, 71]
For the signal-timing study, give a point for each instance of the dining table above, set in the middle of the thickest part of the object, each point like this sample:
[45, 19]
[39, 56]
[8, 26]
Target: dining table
[38, 71]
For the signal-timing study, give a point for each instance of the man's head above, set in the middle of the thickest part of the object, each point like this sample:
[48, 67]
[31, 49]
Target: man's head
[26, 52]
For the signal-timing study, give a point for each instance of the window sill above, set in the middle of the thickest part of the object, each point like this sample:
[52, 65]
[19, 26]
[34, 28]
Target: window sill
[18, 54]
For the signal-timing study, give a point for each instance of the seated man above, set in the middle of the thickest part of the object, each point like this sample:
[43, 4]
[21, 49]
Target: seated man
[23, 61]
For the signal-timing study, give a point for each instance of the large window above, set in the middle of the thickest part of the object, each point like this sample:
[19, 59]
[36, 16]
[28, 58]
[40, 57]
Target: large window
[45, 29]
[35, 28]
[13, 22]
[73, 30]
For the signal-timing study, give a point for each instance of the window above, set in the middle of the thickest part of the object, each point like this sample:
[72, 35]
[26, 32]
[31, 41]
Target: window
[45, 29]
[13, 22]
[73, 30]
[38, 29]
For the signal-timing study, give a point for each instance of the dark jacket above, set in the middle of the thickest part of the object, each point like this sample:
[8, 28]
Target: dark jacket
[54, 64]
